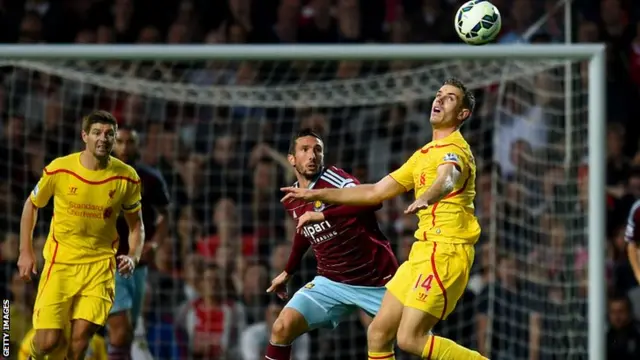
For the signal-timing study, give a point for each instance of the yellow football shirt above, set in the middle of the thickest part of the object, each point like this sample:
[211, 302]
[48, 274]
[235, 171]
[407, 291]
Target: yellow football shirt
[97, 347]
[452, 219]
[86, 204]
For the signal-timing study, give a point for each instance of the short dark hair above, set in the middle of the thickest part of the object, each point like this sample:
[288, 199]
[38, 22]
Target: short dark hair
[468, 99]
[302, 133]
[99, 117]
[620, 297]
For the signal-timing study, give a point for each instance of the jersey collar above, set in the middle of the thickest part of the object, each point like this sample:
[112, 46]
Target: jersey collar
[315, 180]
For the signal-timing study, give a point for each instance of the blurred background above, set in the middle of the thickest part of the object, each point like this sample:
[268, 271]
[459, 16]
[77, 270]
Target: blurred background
[218, 132]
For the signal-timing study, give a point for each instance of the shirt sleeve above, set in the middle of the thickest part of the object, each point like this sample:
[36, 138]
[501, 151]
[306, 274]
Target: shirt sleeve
[404, 175]
[44, 189]
[344, 211]
[132, 202]
[299, 248]
[632, 231]
[450, 155]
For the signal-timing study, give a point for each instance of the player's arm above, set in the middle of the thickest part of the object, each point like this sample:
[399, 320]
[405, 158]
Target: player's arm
[633, 252]
[39, 197]
[446, 179]
[28, 221]
[298, 249]
[161, 201]
[362, 195]
[632, 236]
[392, 185]
[136, 234]
[132, 209]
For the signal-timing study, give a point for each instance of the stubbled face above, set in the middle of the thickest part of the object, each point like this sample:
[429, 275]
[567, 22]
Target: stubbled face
[447, 110]
[126, 148]
[100, 139]
[619, 314]
[309, 156]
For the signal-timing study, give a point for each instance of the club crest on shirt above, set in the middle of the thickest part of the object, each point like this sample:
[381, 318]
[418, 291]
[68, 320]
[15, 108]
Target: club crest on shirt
[318, 206]
[309, 286]
[111, 194]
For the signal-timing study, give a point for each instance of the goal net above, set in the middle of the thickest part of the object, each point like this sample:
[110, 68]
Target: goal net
[218, 131]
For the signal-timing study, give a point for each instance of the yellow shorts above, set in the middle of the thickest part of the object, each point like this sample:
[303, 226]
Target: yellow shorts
[434, 278]
[74, 291]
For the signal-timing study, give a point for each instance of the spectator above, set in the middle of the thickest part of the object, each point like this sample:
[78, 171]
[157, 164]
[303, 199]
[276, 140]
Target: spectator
[516, 326]
[623, 336]
[219, 131]
[209, 320]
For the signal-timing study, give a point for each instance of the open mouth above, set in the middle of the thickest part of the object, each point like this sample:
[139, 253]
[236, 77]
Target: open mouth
[436, 110]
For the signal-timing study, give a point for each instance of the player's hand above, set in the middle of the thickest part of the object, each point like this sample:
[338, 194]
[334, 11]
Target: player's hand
[310, 217]
[294, 193]
[126, 265]
[419, 204]
[27, 265]
[279, 284]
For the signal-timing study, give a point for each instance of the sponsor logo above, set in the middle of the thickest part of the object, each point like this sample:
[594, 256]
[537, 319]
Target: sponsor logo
[451, 157]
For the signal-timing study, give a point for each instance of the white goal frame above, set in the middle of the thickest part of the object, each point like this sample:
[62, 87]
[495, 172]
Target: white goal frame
[593, 53]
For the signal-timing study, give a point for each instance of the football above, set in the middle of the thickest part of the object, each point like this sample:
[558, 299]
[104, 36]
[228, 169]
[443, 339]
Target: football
[478, 22]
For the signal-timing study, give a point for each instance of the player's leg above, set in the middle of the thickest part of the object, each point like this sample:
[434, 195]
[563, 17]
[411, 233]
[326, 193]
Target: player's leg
[381, 334]
[438, 285]
[124, 312]
[289, 325]
[51, 312]
[387, 307]
[82, 332]
[91, 306]
[318, 304]
[139, 347]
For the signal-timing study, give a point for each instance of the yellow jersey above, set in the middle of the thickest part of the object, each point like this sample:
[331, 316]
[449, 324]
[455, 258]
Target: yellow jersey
[97, 347]
[451, 220]
[86, 205]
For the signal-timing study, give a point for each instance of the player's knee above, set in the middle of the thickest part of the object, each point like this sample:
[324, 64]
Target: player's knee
[120, 337]
[408, 341]
[288, 326]
[120, 331]
[47, 340]
[78, 346]
[379, 336]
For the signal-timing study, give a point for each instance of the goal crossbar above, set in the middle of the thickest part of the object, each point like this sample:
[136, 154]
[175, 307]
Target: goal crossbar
[593, 53]
[298, 52]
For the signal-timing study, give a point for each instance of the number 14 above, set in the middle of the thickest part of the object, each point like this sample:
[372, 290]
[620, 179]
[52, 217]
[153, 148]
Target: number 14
[425, 284]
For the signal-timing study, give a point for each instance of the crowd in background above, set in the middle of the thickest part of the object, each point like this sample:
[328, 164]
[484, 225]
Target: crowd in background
[224, 166]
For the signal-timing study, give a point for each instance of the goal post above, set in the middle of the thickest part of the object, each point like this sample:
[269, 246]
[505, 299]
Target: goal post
[368, 91]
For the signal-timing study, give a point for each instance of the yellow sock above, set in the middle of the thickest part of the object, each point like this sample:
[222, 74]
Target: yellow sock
[33, 352]
[439, 348]
[385, 355]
